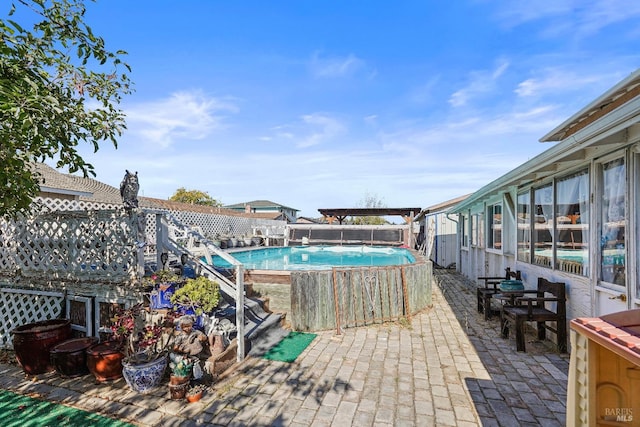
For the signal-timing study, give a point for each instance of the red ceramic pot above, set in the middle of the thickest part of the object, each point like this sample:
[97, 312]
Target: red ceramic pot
[70, 357]
[32, 343]
[104, 360]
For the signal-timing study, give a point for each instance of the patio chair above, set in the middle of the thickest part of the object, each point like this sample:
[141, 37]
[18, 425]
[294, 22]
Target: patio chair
[490, 287]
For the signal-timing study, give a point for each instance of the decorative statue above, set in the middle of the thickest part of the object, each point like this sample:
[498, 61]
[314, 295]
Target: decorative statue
[190, 344]
[129, 190]
[190, 341]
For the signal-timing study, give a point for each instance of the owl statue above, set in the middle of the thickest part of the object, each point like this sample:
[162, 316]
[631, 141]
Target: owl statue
[129, 190]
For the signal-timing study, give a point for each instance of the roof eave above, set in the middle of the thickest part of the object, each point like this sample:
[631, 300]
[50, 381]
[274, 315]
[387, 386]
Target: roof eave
[45, 189]
[614, 122]
[559, 132]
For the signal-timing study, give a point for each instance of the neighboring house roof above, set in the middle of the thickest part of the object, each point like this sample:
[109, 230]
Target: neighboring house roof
[89, 189]
[307, 220]
[54, 181]
[153, 203]
[443, 206]
[260, 204]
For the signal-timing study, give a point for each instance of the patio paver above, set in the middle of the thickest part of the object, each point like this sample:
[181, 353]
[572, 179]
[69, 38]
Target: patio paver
[449, 367]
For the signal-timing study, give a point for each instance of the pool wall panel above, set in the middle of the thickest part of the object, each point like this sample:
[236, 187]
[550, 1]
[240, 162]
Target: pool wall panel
[351, 297]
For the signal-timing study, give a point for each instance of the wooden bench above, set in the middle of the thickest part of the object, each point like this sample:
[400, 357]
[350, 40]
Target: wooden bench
[490, 287]
[538, 308]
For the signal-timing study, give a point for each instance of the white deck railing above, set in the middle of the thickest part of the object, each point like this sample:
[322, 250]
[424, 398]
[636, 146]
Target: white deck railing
[165, 223]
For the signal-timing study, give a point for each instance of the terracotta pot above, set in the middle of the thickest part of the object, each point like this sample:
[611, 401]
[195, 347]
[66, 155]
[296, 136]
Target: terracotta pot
[104, 360]
[70, 357]
[176, 380]
[194, 397]
[32, 343]
[178, 391]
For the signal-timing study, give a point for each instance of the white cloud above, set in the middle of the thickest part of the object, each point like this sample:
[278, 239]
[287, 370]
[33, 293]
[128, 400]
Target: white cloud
[323, 128]
[183, 115]
[335, 66]
[576, 18]
[424, 92]
[556, 80]
[480, 82]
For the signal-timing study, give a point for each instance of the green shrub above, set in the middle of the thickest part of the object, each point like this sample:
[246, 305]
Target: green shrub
[200, 294]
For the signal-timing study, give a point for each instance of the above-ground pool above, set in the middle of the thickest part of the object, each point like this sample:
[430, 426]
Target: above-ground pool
[327, 287]
[318, 257]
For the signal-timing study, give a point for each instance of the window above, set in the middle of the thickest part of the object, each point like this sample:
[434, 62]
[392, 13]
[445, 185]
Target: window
[524, 227]
[494, 222]
[477, 230]
[464, 224]
[543, 225]
[474, 230]
[572, 223]
[612, 225]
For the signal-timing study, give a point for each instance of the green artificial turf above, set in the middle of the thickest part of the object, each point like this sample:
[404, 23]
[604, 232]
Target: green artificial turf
[23, 411]
[290, 347]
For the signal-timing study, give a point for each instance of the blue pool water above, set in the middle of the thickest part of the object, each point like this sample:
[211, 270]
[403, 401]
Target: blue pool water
[318, 257]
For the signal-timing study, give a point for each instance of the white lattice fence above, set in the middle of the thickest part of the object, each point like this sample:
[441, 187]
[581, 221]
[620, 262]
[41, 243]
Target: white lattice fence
[7, 246]
[19, 307]
[216, 224]
[54, 204]
[91, 245]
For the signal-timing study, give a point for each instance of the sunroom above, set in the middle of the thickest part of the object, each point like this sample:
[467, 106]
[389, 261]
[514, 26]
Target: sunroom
[571, 213]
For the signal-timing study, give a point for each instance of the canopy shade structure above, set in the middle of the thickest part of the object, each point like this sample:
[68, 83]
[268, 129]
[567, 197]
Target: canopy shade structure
[341, 213]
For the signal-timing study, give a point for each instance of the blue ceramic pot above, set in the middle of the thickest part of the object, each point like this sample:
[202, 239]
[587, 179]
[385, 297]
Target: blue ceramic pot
[144, 377]
[511, 285]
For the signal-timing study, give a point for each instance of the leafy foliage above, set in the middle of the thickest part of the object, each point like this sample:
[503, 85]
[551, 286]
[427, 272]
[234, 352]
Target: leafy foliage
[180, 365]
[200, 294]
[370, 201]
[58, 88]
[162, 276]
[195, 389]
[142, 341]
[194, 197]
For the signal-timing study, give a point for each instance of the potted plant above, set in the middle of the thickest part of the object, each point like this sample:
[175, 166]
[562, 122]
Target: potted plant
[162, 284]
[216, 240]
[200, 295]
[194, 393]
[247, 240]
[181, 368]
[144, 343]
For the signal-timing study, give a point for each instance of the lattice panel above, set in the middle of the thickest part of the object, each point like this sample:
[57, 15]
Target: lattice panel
[91, 244]
[216, 224]
[54, 204]
[20, 307]
[7, 246]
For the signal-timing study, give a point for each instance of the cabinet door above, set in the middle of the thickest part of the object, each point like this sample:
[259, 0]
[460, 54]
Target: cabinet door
[617, 383]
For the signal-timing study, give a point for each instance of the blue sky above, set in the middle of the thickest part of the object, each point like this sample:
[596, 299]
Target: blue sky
[315, 104]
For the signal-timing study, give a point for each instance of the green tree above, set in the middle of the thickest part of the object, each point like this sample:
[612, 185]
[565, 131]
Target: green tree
[370, 201]
[59, 86]
[194, 197]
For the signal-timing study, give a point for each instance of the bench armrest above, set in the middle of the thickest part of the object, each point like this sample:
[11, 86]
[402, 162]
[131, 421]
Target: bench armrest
[539, 303]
